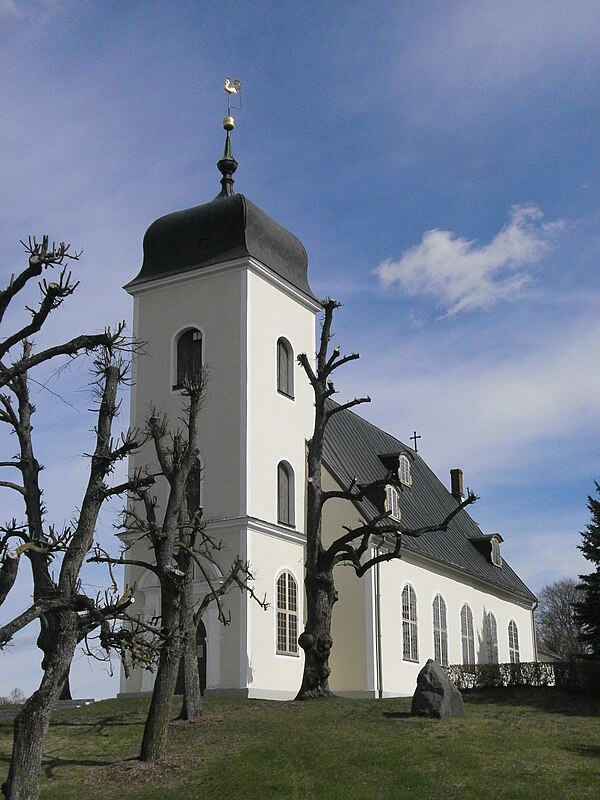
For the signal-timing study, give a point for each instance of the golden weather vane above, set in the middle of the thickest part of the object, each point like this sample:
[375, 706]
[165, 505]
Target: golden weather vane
[232, 88]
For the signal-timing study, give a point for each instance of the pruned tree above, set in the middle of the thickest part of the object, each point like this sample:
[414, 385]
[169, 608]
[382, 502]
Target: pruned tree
[353, 544]
[239, 576]
[587, 608]
[557, 630]
[179, 543]
[67, 615]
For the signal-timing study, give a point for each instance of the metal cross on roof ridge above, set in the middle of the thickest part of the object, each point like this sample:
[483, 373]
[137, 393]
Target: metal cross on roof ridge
[414, 438]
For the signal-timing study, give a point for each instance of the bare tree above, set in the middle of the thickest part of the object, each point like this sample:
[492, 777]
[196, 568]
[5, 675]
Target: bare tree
[180, 545]
[353, 544]
[556, 626]
[66, 613]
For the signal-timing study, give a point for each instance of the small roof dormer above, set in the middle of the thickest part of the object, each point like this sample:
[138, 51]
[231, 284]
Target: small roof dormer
[489, 547]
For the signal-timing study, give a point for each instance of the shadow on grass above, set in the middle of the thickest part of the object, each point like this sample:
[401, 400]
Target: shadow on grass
[49, 765]
[397, 714]
[542, 698]
[586, 750]
[98, 724]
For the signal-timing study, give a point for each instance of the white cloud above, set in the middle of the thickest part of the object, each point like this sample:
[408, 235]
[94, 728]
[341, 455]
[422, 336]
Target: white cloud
[487, 407]
[464, 275]
[31, 10]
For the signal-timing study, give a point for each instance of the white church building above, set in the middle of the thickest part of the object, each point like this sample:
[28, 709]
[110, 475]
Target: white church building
[224, 285]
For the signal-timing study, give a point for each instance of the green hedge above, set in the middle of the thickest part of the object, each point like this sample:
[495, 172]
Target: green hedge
[574, 676]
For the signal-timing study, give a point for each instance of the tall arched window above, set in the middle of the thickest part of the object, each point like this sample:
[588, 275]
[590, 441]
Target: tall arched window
[513, 642]
[285, 367]
[410, 647]
[188, 356]
[287, 615]
[440, 631]
[490, 635]
[285, 494]
[467, 635]
[192, 488]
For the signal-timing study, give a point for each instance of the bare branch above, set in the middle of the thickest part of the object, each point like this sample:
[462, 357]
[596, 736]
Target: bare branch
[84, 343]
[344, 406]
[33, 612]
[442, 526]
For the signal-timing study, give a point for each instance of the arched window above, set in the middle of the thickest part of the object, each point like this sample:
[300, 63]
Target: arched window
[404, 470]
[285, 367]
[467, 635]
[440, 631]
[490, 635]
[392, 501]
[287, 615]
[192, 488]
[188, 356]
[285, 494]
[410, 647]
[513, 642]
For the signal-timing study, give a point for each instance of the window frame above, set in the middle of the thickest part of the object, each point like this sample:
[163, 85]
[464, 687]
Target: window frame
[195, 474]
[410, 625]
[287, 616]
[392, 502]
[286, 510]
[176, 376]
[285, 383]
[404, 470]
[490, 637]
[467, 635]
[440, 630]
[495, 555]
[513, 643]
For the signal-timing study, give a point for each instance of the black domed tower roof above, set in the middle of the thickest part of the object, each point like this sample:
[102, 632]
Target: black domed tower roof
[227, 228]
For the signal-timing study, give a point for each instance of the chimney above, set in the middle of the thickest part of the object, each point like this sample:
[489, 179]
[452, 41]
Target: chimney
[456, 484]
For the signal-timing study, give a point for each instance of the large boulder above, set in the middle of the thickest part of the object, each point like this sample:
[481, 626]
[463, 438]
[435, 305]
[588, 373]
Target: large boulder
[436, 695]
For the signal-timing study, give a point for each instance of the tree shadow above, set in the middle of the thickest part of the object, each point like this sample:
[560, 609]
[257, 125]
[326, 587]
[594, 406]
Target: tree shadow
[397, 714]
[585, 750]
[96, 724]
[50, 764]
[543, 698]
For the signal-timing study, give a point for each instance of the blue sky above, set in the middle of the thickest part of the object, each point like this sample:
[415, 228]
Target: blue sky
[439, 161]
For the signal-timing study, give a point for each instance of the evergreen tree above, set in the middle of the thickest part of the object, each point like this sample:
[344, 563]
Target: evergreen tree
[587, 611]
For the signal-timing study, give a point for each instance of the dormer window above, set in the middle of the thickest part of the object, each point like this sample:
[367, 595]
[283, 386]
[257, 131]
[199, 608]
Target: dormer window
[489, 547]
[392, 502]
[496, 557]
[404, 470]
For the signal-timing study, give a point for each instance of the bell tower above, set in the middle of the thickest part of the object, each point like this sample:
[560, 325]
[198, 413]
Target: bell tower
[224, 285]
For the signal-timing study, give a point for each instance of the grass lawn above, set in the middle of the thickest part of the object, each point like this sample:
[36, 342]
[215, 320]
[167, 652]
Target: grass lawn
[513, 743]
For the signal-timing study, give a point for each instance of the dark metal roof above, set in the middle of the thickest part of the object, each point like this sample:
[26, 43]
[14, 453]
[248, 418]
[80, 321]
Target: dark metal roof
[227, 228]
[352, 450]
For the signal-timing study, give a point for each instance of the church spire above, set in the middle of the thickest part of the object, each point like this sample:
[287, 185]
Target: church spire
[228, 165]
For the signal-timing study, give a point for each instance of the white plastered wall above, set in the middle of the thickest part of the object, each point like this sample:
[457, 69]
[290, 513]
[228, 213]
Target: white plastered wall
[246, 428]
[278, 426]
[356, 645]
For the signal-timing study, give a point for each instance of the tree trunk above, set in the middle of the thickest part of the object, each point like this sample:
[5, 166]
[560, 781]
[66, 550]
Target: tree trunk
[159, 714]
[161, 705]
[191, 708]
[316, 640]
[31, 723]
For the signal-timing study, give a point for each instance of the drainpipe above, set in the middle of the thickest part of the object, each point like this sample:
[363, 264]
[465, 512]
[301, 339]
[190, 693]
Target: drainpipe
[535, 649]
[379, 665]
